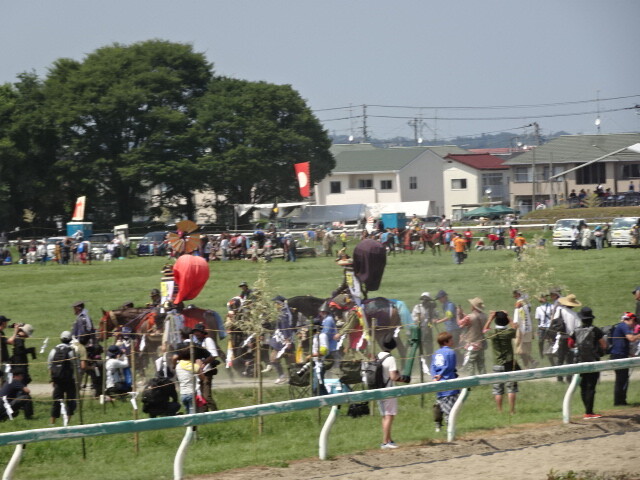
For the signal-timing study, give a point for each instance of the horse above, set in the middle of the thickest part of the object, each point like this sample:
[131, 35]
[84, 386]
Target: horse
[431, 239]
[147, 325]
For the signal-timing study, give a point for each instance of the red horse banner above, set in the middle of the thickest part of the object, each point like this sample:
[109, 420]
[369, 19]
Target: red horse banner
[302, 172]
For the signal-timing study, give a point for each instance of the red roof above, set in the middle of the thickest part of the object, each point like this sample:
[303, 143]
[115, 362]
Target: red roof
[481, 161]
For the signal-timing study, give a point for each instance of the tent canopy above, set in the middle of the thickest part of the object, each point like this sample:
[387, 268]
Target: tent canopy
[489, 212]
[323, 214]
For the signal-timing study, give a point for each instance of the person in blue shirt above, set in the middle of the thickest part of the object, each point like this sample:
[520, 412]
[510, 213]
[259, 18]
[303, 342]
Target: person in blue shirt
[331, 331]
[443, 367]
[622, 335]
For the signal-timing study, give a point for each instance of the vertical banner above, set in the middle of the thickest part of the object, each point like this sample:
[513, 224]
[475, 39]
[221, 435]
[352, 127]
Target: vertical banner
[302, 172]
[78, 211]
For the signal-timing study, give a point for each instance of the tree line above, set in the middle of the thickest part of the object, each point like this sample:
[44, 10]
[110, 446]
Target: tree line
[139, 129]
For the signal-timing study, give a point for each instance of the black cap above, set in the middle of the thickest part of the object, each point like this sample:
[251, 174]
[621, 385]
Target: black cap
[586, 313]
[4, 319]
[279, 299]
[243, 284]
[199, 328]
[154, 292]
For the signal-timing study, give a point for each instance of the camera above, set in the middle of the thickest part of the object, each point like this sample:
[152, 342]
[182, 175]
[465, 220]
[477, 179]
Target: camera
[304, 369]
[14, 325]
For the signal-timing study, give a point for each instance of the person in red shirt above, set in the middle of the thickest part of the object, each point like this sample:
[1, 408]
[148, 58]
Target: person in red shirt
[468, 236]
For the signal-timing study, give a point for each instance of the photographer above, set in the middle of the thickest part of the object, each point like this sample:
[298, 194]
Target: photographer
[4, 351]
[19, 360]
[203, 340]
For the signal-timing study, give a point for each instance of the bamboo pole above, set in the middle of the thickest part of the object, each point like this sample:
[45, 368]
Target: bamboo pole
[136, 435]
[78, 373]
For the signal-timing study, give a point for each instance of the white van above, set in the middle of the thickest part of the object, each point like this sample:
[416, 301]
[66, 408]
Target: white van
[562, 231]
[620, 228]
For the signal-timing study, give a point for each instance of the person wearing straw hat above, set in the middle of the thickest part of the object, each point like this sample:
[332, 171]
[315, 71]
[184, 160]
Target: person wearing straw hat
[563, 324]
[472, 338]
[423, 315]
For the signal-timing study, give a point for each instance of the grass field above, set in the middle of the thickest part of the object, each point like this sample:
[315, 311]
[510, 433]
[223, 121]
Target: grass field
[42, 296]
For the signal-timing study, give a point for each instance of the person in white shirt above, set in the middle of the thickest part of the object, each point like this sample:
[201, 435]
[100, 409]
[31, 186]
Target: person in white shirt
[423, 315]
[563, 324]
[115, 380]
[543, 315]
[524, 335]
[189, 376]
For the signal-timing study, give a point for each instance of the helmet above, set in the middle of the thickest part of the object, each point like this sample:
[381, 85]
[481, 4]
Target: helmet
[325, 308]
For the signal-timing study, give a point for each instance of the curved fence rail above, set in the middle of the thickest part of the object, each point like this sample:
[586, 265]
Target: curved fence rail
[130, 426]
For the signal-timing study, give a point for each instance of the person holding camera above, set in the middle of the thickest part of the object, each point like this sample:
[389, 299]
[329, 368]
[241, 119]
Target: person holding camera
[202, 339]
[4, 350]
[19, 360]
[115, 381]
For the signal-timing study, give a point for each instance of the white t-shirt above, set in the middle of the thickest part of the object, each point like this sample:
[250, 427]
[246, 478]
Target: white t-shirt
[543, 315]
[113, 367]
[388, 365]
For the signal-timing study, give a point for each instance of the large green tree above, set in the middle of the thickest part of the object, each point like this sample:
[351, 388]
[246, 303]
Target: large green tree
[124, 114]
[253, 133]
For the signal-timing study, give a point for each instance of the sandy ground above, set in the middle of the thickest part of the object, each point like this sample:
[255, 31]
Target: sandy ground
[606, 445]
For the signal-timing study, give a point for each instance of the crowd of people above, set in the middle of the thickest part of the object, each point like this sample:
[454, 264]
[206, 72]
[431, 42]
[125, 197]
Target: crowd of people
[559, 327]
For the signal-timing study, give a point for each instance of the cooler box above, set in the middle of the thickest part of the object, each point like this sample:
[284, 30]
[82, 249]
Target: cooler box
[394, 220]
[85, 227]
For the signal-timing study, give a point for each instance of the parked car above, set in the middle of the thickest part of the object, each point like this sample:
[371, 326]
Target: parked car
[153, 243]
[562, 231]
[99, 242]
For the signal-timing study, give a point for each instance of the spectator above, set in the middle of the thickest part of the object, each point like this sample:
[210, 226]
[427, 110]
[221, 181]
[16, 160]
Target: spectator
[159, 397]
[423, 315]
[622, 336]
[524, 336]
[388, 407]
[590, 344]
[189, 378]
[116, 387]
[472, 339]
[20, 358]
[450, 317]
[636, 295]
[543, 315]
[504, 359]
[18, 398]
[443, 367]
[63, 363]
[202, 339]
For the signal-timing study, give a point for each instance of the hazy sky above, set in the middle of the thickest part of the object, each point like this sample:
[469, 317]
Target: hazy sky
[465, 53]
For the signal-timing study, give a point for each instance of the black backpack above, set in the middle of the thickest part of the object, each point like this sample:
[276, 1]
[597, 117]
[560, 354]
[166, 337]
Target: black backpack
[588, 351]
[61, 364]
[372, 373]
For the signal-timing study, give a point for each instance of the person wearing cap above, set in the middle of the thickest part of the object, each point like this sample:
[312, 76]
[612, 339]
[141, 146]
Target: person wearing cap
[155, 297]
[245, 292]
[590, 344]
[64, 385]
[472, 338]
[423, 315]
[502, 337]
[524, 337]
[563, 324]
[201, 338]
[116, 385]
[636, 295]
[450, 318]
[20, 356]
[82, 328]
[622, 336]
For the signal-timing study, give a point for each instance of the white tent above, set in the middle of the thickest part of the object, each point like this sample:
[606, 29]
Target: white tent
[421, 209]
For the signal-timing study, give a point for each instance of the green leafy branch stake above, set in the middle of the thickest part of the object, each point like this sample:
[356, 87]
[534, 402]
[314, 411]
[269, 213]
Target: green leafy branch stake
[532, 275]
[257, 319]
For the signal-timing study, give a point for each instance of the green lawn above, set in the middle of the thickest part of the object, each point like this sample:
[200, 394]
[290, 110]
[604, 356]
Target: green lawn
[42, 295]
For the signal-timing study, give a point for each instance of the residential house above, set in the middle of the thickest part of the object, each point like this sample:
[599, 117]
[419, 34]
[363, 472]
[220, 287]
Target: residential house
[365, 174]
[536, 176]
[471, 180]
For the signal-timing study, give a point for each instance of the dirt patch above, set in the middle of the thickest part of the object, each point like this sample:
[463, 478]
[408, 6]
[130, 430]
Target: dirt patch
[529, 451]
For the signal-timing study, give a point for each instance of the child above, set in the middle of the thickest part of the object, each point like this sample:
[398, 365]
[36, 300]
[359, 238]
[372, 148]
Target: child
[501, 340]
[443, 367]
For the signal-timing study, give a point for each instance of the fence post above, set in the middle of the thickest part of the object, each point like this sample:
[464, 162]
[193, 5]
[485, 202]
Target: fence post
[566, 403]
[179, 460]
[453, 415]
[13, 463]
[324, 433]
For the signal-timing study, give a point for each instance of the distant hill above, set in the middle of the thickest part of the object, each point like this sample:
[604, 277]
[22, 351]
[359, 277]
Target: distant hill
[498, 140]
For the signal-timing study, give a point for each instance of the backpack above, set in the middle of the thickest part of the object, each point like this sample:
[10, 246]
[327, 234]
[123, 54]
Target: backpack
[608, 336]
[585, 342]
[152, 393]
[61, 365]
[372, 373]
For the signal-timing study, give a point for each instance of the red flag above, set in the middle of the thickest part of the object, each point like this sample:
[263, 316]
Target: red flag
[302, 172]
[191, 273]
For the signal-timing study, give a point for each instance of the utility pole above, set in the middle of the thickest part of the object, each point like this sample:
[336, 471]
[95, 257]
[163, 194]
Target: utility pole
[536, 133]
[416, 124]
[365, 134]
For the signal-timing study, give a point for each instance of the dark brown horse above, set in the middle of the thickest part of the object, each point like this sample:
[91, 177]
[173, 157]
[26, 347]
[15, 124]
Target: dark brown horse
[432, 239]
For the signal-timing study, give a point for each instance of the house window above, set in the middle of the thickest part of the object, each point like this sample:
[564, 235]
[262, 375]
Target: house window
[630, 171]
[365, 183]
[335, 187]
[548, 172]
[459, 183]
[522, 175]
[385, 184]
[593, 173]
[413, 183]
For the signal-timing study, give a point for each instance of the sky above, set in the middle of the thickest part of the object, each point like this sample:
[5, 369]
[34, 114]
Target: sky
[437, 64]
